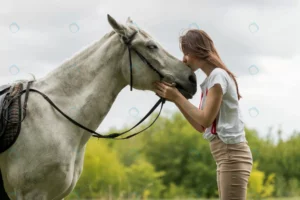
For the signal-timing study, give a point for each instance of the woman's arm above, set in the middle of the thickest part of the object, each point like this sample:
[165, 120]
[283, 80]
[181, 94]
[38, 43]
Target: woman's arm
[201, 119]
[195, 124]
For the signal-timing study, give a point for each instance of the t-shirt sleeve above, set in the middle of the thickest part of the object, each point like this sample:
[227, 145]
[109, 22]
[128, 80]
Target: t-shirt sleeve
[218, 78]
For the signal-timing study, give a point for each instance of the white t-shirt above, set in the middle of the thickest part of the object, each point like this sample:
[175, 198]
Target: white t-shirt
[228, 124]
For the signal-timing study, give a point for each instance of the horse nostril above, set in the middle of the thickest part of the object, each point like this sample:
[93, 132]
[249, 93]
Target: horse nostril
[192, 78]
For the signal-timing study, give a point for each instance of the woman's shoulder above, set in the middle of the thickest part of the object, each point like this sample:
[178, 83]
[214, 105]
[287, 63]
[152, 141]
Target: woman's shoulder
[219, 70]
[222, 72]
[214, 75]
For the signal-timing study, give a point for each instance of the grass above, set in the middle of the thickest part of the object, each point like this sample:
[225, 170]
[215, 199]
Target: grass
[288, 198]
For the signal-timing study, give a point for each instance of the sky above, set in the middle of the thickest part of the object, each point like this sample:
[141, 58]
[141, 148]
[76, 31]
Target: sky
[257, 40]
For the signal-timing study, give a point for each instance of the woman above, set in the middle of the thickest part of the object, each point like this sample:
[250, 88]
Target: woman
[218, 117]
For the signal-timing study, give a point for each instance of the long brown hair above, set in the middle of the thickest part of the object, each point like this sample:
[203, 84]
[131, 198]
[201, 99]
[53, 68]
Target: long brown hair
[198, 44]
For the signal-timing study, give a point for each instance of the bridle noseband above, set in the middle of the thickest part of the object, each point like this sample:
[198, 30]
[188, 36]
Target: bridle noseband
[113, 135]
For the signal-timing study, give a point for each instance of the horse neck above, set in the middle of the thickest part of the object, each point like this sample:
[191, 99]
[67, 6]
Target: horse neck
[86, 86]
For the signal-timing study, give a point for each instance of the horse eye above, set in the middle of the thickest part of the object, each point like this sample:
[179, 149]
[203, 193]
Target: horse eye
[152, 46]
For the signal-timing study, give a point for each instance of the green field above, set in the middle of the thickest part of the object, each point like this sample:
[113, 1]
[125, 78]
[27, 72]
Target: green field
[290, 198]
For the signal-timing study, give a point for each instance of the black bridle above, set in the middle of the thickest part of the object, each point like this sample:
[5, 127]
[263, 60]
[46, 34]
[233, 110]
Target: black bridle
[113, 135]
[128, 43]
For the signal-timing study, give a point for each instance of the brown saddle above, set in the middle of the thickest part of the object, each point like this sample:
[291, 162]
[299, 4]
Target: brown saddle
[11, 113]
[3, 93]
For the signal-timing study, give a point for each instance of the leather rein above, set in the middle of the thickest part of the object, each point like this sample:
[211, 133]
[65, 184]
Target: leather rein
[95, 134]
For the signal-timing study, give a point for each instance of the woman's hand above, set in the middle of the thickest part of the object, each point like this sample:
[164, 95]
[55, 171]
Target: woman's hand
[166, 90]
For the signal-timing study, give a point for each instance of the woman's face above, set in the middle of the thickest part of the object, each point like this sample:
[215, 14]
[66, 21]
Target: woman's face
[193, 62]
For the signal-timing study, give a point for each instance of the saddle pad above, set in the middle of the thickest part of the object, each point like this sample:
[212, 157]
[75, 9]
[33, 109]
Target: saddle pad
[11, 118]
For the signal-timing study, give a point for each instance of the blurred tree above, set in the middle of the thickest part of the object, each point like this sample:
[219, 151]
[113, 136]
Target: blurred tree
[143, 180]
[180, 151]
[258, 186]
[102, 170]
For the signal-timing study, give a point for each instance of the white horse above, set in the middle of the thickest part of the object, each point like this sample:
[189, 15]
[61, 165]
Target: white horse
[46, 160]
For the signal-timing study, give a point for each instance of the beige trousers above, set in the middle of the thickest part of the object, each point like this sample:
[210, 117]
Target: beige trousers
[234, 165]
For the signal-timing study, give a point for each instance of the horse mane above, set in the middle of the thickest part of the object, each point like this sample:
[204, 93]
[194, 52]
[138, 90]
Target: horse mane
[82, 54]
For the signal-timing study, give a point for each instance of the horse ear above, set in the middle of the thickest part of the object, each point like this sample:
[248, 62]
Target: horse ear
[119, 28]
[129, 21]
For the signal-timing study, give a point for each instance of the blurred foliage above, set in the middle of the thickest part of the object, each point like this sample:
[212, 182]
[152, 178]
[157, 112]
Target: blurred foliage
[172, 160]
[258, 186]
